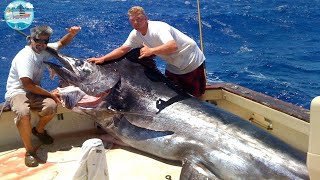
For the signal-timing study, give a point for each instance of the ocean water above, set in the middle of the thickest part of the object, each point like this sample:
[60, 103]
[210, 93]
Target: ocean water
[270, 46]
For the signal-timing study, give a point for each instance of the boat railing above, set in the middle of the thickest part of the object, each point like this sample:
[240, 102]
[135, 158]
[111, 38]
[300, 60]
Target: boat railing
[313, 157]
[265, 100]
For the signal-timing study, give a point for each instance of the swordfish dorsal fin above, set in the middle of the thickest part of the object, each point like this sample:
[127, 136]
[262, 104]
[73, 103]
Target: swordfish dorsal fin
[192, 170]
[152, 72]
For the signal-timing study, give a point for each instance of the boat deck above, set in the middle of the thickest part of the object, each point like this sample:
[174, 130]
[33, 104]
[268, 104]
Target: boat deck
[60, 160]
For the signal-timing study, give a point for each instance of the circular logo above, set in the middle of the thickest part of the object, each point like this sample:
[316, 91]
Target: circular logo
[19, 14]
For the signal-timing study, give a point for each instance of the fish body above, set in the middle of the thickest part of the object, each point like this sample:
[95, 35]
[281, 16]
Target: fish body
[146, 111]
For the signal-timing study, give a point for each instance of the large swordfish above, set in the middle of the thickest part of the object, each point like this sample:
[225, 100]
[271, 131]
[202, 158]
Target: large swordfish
[144, 110]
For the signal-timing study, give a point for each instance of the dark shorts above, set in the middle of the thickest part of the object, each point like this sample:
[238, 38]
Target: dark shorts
[193, 82]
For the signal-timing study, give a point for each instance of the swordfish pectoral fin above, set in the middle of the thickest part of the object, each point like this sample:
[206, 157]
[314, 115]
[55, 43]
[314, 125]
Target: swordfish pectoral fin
[196, 171]
[145, 120]
[126, 128]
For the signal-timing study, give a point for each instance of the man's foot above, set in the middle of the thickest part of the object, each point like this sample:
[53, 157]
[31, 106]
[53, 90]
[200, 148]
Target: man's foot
[43, 137]
[30, 159]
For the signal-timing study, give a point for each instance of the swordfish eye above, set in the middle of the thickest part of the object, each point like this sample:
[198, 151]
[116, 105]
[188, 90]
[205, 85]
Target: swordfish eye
[79, 63]
[86, 67]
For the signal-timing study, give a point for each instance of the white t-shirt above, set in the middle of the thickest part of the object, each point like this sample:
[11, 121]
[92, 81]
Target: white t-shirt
[26, 63]
[185, 59]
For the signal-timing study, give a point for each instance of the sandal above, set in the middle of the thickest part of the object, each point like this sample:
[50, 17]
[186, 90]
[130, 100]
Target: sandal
[30, 159]
[43, 137]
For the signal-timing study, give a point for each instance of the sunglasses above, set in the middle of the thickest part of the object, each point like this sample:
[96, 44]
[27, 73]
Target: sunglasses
[42, 41]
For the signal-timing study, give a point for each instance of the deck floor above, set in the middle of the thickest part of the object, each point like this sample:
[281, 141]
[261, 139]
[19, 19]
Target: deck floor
[61, 158]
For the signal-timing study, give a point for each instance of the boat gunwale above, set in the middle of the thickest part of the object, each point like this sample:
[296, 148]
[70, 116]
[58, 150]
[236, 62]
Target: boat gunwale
[273, 103]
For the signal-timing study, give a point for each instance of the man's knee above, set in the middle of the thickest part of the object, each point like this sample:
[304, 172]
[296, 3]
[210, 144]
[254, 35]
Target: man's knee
[21, 116]
[50, 108]
[21, 111]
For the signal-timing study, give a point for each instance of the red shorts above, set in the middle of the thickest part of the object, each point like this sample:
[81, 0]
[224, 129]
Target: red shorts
[193, 82]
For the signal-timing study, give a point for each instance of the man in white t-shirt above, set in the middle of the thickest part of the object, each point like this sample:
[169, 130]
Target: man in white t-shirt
[185, 61]
[25, 93]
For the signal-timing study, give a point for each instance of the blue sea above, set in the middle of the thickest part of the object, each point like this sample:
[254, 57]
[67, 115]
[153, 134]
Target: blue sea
[270, 46]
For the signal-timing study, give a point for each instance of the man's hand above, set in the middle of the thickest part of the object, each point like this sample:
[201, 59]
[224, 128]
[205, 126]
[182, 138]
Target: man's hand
[96, 60]
[65, 40]
[73, 30]
[145, 51]
[55, 95]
